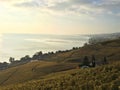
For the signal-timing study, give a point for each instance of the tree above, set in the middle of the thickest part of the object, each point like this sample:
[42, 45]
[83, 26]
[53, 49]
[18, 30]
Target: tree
[49, 53]
[105, 60]
[86, 61]
[37, 55]
[26, 58]
[3, 65]
[74, 48]
[11, 59]
[93, 61]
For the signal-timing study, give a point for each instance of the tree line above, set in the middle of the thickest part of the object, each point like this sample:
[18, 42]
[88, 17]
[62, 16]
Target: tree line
[25, 59]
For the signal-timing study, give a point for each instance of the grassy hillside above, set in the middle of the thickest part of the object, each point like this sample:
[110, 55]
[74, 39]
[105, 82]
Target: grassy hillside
[100, 78]
[48, 73]
[110, 49]
[32, 70]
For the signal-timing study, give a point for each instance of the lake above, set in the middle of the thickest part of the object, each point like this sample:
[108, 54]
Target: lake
[19, 45]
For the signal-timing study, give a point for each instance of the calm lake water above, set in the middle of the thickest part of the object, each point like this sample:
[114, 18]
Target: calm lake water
[19, 45]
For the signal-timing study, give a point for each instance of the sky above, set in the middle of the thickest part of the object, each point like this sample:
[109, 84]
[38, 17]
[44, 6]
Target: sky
[59, 16]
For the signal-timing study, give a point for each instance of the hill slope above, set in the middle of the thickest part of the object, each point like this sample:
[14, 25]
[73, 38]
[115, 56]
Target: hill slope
[31, 71]
[110, 49]
[100, 78]
[65, 61]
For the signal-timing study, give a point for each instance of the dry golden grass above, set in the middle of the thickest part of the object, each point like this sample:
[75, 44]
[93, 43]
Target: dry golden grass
[110, 49]
[31, 71]
[106, 77]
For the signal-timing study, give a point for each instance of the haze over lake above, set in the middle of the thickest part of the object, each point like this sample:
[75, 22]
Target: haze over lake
[19, 45]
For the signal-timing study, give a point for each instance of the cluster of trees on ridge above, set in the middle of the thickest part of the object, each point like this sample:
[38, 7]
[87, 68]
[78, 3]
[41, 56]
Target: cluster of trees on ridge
[37, 56]
[92, 63]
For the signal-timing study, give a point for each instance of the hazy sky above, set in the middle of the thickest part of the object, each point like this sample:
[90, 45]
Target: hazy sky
[59, 16]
